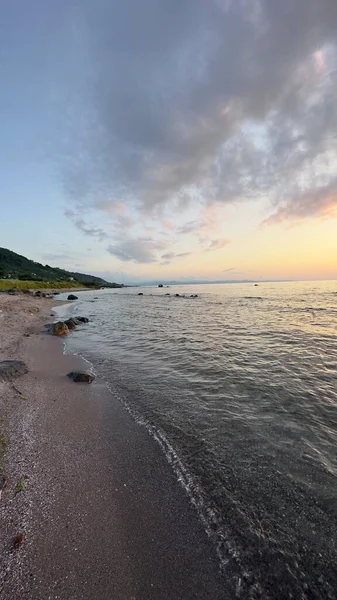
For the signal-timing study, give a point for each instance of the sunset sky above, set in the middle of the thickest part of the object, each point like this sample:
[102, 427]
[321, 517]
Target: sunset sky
[171, 139]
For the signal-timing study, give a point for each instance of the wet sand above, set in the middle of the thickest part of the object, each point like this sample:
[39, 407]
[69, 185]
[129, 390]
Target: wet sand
[102, 514]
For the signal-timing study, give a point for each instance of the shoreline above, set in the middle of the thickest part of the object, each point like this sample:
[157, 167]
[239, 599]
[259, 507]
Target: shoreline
[102, 514]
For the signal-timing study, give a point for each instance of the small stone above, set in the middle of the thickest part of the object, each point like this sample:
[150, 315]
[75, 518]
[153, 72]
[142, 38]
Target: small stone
[10, 369]
[81, 377]
[59, 328]
[18, 541]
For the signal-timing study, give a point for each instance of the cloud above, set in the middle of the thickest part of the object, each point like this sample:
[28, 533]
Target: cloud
[142, 250]
[190, 227]
[157, 111]
[95, 232]
[218, 244]
[167, 224]
[194, 102]
[320, 201]
[168, 257]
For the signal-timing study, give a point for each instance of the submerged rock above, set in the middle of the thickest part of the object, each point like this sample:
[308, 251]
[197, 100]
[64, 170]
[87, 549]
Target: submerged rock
[82, 319]
[10, 369]
[81, 377]
[72, 297]
[71, 323]
[59, 328]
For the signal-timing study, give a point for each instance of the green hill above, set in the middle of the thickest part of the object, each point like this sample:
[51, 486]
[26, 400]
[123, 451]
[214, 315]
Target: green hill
[15, 266]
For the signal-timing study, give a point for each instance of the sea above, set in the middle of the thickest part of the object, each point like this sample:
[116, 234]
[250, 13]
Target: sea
[239, 388]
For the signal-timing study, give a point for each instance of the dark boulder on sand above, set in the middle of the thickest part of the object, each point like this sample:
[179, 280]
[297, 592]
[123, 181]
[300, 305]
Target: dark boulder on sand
[59, 328]
[10, 369]
[72, 297]
[140, 294]
[81, 377]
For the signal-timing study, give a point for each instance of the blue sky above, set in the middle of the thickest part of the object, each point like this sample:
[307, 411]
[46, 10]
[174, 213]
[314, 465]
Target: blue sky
[169, 139]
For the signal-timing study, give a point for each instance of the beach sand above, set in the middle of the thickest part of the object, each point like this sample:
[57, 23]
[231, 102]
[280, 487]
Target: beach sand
[102, 514]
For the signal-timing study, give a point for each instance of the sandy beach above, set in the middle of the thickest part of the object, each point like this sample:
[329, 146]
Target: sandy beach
[101, 514]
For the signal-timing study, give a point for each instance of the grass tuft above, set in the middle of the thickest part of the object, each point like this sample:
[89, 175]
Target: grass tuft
[20, 486]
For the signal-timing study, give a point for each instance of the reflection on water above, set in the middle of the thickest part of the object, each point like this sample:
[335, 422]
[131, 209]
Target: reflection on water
[240, 386]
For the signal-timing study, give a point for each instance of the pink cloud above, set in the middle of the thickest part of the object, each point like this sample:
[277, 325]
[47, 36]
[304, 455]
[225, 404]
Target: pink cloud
[111, 206]
[218, 244]
[167, 224]
[320, 202]
[319, 61]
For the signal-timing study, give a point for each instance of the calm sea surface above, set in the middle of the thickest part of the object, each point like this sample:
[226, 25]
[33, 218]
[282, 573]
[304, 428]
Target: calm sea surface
[239, 386]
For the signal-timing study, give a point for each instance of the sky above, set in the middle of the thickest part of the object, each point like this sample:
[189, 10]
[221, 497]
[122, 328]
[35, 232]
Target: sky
[170, 139]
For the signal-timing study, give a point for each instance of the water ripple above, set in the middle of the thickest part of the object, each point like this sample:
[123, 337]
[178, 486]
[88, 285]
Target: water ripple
[241, 389]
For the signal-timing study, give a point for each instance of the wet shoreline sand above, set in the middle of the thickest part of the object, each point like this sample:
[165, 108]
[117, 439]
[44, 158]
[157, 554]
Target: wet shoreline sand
[102, 514]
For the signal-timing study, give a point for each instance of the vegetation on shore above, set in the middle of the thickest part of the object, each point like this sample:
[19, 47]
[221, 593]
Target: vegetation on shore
[18, 271]
[8, 284]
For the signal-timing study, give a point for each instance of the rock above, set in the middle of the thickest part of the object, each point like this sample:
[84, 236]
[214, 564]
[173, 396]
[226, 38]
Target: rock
[81, 377]
[38, 293]
[59, 328]
[18, 541]
[177, 295]
[95, 297]
[56, 293]
[168, 294]
[140, 294]
[10, 369]
[160, 285]
[82, 319]
[72, 297]
[71, 323]
[194, 296]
